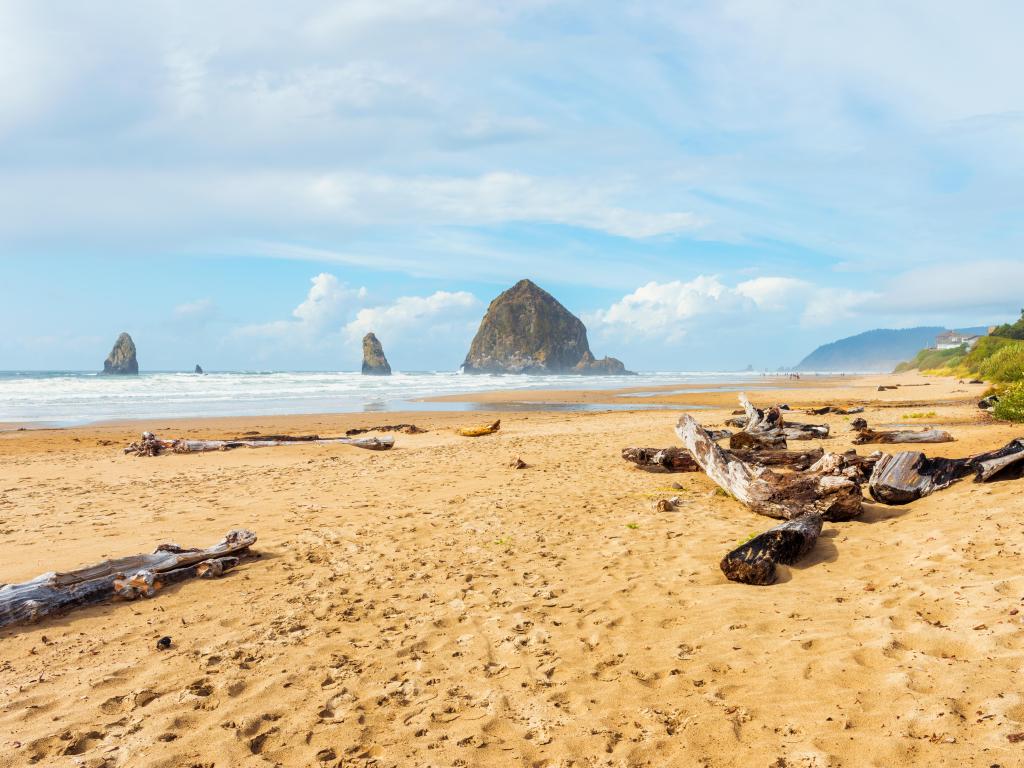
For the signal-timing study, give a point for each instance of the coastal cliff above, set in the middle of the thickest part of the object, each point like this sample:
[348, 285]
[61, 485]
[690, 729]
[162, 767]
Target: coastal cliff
[526, 330]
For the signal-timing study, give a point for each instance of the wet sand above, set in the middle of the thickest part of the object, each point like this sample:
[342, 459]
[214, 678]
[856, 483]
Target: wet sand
[431, 606]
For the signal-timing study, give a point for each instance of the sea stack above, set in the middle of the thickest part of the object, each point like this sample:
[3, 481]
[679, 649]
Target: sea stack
[374, 362]
[122, 361]
[526, 330]
[199, 368]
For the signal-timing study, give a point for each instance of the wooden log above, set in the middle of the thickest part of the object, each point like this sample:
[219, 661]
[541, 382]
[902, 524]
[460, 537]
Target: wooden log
[407, 429]
[867, 435]
[754, 561]
[762, 429]
[833, 409]
[124, 578]
[906, 476]
[151, 445]
[672, 459]
[829, 487]
[988, 466]
[676, 459]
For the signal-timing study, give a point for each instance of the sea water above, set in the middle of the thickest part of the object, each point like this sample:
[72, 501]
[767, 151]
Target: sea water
[68, 397]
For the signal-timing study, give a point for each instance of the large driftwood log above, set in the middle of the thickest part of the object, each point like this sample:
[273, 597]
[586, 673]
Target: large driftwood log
[754, 561]
[867, 435]
[151, 445]
[830, 487]
[125, 578]
[909, 475]
[675, 459]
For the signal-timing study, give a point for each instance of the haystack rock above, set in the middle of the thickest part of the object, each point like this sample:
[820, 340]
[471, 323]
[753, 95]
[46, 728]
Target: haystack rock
[122, 361]
[526, 330]
[199, 368]
[374, 362]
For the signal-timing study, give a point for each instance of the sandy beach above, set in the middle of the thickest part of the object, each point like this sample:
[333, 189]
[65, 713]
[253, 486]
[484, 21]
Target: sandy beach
[431, 606]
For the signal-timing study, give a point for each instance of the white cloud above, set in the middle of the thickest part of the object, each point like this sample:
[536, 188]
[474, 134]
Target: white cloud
[326, 304]
[774, 293]
[668, 311]
[199, 311]
[441, 312]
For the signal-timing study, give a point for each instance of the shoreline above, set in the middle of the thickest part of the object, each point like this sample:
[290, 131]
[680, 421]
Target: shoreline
[683, 395]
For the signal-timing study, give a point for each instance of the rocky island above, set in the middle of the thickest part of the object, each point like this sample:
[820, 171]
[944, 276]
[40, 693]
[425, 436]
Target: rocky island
[122, 361]
[374, 362]
[527, 330]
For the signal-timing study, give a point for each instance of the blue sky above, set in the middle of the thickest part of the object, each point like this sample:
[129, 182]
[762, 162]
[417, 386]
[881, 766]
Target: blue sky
[707, 184]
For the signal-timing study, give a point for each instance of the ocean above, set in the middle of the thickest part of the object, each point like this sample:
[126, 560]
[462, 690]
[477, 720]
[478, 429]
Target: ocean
[64, 398]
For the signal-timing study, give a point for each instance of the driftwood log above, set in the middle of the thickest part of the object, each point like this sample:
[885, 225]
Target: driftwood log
[830, 487]
[908, 475]
[151, 445]
[124, 578]
[671, 459]
[762, 429]
[408, 429]
[867, 435]
[675, 459]
[833, 409]
[754, 561]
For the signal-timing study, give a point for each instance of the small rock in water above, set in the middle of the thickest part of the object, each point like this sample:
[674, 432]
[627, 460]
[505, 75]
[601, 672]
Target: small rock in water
[163, 643]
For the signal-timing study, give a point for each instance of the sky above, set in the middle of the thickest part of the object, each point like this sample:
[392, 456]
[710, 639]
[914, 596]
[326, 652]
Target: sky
[255, 185]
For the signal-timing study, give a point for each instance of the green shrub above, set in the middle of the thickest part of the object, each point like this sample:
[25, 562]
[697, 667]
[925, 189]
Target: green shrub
[1006, 365]
[1011, 404]
[1011, 331]
[930, 359]
[986, 347]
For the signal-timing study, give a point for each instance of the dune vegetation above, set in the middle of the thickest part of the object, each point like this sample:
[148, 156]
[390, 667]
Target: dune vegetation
[997, 359]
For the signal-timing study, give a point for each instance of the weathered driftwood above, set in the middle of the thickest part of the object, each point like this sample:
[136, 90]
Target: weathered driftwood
[767, 426]
[833, 409]
[675, 459]
[830, 487]
[408, 429]
[909, 475]
[486, 429]
[124, 578]
[151, 445]
[672, 459]
[754, 561]
[762, 429]
[867, 435]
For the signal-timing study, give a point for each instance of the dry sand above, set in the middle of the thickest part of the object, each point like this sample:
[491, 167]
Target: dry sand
[430, 606]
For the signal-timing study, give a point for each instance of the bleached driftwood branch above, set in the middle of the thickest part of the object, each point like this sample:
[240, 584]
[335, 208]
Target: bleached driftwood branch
[126, 578]
[151, 445]
[867, 435]
[830, 487]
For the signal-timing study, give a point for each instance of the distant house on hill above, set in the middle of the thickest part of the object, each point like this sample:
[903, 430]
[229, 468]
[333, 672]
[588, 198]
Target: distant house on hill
[954, 339]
